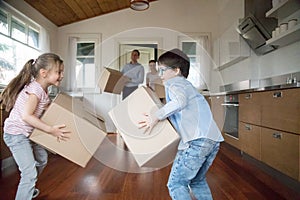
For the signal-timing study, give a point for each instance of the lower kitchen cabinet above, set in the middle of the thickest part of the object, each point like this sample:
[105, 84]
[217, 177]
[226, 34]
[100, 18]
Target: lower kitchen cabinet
[217, 109]
[250, 108]
[249, 136]
[280, 150]
[281, 110]
[4, 151]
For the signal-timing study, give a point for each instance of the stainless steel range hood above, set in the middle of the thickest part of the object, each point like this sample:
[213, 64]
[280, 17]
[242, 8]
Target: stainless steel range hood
[255, 28]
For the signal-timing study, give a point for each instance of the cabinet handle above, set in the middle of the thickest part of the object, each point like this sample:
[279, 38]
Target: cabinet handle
[248, 96]
[277, 94]
[277, 135]
[248, 127]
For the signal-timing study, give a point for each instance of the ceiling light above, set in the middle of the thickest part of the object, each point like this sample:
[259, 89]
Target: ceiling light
[139, 5]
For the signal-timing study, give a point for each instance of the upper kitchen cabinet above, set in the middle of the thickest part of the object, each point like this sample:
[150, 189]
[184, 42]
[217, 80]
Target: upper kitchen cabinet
[228, 47]
[285, 12]
[232, 48]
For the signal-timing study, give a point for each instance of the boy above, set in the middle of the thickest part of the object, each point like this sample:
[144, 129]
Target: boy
[190, 115]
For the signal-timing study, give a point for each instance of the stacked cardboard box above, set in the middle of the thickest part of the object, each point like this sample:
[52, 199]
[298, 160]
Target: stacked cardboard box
[156, 149]
[85, 137]
[112, 81]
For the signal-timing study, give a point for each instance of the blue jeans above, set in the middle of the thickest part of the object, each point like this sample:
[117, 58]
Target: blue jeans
[31, 160]
[188, 173]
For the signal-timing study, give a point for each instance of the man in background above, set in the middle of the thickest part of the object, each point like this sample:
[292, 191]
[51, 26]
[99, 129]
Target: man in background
[134, 71]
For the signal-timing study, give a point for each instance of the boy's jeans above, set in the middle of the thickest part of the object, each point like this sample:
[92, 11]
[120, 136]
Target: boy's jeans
[31, 160]
[189, 170]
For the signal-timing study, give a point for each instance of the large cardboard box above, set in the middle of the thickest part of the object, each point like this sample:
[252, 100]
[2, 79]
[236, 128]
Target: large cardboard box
[157, 149]
[85, 137]
[160, 90]
[112, 81]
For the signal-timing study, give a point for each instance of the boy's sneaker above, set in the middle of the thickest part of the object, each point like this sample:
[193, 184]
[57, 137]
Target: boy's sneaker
[35, 193]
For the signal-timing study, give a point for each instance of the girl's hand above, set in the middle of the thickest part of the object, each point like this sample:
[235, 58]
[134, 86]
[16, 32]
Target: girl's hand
[60, 133]
[149, 122]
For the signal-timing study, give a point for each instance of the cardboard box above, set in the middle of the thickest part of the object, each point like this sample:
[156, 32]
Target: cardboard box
[85, 137]
[157, 149]
[112, 81]
[94, 119]
[160, 90]
[100, 105]
[88, 114]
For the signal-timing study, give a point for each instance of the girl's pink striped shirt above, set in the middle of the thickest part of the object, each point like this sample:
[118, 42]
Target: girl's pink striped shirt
[14, 123]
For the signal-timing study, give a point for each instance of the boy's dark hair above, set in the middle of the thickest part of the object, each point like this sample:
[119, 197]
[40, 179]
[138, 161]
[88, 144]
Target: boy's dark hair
[175, 58]
[150, 61]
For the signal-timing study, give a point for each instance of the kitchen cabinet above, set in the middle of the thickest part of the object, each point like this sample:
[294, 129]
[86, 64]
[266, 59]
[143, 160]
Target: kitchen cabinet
[4, 151]
[269, 128]
[250, 108]
[281, 110]
[232, 48]
[249, 136]
[217, 109]
[281, 151]
[284, 11]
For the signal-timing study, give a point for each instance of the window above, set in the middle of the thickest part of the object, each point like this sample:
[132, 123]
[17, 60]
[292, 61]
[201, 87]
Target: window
[85, 65]
[18, 31]
[13, 56]
[19, 42]
[3, 22]
[196, 50]
[33, 37]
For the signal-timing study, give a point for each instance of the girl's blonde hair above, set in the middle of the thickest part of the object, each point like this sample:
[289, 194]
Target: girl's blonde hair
[29, 72]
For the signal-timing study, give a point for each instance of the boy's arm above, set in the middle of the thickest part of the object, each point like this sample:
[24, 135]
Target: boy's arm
[178, 100]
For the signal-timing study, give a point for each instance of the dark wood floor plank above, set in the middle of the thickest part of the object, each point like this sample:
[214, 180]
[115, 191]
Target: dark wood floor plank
[231, 177]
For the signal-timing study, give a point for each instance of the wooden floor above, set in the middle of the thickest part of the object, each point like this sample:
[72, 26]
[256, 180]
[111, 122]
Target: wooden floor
[231, 177]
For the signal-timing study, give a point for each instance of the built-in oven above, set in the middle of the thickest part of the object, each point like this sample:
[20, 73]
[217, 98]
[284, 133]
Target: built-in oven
[231, 121]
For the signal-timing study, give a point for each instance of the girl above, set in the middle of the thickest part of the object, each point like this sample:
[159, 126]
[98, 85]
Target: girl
[26, 98]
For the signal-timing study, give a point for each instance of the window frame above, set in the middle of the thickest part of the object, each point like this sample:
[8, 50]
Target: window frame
[28, 24]
[82, 38]
[201, 48]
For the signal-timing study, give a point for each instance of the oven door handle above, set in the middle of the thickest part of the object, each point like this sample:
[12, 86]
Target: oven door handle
[230, 104]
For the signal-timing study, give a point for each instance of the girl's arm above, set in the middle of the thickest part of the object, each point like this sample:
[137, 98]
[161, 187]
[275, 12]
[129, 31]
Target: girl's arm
[29, 117]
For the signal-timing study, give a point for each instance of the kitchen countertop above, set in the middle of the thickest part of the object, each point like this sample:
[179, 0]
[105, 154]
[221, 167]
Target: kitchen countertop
[285, 81]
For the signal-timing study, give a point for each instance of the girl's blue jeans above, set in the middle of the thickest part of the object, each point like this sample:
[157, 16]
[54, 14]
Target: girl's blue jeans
[31, 160]
[188, 173]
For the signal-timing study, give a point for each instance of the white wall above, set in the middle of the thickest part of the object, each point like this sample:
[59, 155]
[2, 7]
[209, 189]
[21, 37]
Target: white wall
[163, 22]
[168, 17]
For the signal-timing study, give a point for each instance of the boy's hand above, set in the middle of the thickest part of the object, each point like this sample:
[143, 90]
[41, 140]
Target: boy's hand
[149, 122]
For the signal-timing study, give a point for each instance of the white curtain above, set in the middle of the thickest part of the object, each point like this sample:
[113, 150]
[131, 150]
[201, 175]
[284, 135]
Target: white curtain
[44, 40]
[70, 66]
[201, 63]
[205, 61]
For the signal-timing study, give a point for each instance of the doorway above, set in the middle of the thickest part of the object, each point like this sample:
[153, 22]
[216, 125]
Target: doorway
[147, 52]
